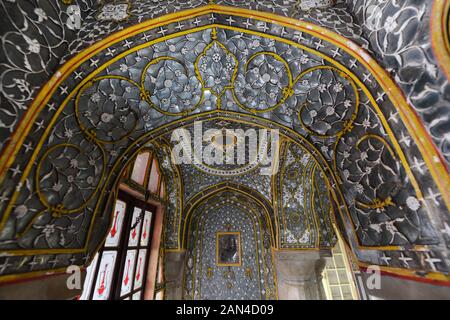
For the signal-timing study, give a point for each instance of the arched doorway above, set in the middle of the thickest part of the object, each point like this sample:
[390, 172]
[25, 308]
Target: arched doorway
[229, 250]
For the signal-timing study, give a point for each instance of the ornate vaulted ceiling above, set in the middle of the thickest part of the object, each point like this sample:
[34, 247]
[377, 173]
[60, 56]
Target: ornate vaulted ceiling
[76, 105]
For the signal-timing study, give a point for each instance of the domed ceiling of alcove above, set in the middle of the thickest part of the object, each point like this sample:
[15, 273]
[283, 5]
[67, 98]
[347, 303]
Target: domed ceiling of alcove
[262, 71]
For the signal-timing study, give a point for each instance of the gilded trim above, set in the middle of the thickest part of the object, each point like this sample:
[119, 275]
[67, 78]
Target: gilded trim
[440, 33]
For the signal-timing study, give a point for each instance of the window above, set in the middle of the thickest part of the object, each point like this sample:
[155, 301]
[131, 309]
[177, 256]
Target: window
[120, 269]
[140, 168]
[153, 182]
[162, 191]
[337, 276]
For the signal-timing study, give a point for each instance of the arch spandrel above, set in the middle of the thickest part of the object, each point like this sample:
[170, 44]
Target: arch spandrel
[73, 117]
[303, 205]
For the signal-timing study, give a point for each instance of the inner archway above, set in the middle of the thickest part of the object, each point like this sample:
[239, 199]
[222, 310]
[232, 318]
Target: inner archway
[374, 160]
[229, 222]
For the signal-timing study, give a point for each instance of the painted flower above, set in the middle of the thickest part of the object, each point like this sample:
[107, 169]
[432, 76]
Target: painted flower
[329, 110]
[123, 67]
[113, 12]
[20, 211]
[74, 163]
[68, 133]
[390, 24]
[217, 66]
[41, 14]
[364, 155]
[366, 123]
[359, 188]
[413, 203]
[33, 44]
[95, 97]
[48, 230]
[322, 87]
[91, 161]
[338, 87]
[57, 187]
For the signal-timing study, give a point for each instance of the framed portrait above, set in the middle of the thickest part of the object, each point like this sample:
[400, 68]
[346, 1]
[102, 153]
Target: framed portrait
[228, 249]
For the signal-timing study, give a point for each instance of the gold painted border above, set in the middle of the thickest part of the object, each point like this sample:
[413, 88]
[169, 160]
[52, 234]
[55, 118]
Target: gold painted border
[440, 33]
[439, 278]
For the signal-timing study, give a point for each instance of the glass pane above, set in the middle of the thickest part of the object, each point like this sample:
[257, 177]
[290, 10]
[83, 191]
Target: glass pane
[343, 276]
[104, 276]
[154, 177]
[339, 260]
[333, 277]
[336, 293]
[146, 228]
[346, 291]
[137, 296]
[128, 271]
[114, 234]
[228, 249]
[140, 167]
[140, 269]
[162, 191]
[135, 227]
[90, 272]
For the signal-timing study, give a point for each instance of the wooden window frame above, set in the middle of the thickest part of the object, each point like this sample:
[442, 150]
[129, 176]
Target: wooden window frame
[144, 188]
[135, 195]
[122, 248]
